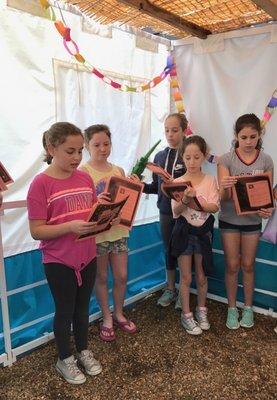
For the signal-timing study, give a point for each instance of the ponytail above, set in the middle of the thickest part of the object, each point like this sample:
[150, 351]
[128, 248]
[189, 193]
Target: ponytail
[56, 135]
[47, 156]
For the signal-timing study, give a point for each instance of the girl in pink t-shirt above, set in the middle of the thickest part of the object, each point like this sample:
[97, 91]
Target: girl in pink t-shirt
[192, 233]
[59, 201]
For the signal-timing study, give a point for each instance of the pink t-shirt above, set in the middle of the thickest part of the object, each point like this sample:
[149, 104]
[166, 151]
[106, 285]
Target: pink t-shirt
[58, 201]
[207, 190]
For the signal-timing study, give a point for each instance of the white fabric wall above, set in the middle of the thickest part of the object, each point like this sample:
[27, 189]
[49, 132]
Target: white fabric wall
[37, 90]
[220, 78]
[226, 76]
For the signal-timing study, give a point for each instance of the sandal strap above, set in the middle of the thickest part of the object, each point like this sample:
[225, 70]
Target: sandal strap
[107, 329]
[125, 325]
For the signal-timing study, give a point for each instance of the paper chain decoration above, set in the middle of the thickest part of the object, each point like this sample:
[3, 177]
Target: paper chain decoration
[179, 103]
[73, 49]
[177, 96]
[270, 108]
[178, 99]
[170, 70]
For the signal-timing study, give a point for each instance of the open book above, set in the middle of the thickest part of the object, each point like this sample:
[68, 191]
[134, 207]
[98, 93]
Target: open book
[175, 190]
[253, 192]
[120, 188]
[5, 178]
[103, 214]
[162, 173]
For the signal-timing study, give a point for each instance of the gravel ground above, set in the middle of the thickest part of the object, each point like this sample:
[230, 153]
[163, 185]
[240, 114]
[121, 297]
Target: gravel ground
[161, 361]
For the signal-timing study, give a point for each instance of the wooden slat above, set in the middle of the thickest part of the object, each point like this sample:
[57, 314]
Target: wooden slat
[269, 6]
[144, 6]
[214, 16]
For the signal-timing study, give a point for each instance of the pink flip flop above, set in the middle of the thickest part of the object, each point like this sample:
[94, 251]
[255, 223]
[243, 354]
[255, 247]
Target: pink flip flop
[125, 326]
[109, 336]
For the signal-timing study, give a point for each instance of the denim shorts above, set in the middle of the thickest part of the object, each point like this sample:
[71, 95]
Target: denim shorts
[194, 246]
[118, 246]
[226, 227]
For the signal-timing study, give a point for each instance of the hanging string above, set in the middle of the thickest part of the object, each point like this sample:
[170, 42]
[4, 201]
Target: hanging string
[73, 49]
[179, 104]
[170, 69]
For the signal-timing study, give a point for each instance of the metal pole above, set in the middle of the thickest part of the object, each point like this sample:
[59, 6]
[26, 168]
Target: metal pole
[4, 303]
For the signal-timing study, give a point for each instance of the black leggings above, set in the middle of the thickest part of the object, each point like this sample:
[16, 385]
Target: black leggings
[71, 304]
[167, 223]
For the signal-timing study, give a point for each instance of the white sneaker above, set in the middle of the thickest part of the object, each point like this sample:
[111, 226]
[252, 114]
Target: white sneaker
[89, 363]
[202, 319]
[190, 325]
[68, 369]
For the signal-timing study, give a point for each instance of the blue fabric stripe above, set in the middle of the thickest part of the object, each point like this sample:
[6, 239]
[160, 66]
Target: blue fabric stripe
[29, 305]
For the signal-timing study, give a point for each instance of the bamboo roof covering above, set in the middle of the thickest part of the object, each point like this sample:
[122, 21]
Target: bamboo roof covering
[211, 16]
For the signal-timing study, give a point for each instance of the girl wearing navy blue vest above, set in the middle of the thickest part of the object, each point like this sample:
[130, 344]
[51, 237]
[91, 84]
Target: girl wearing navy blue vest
[170, 160]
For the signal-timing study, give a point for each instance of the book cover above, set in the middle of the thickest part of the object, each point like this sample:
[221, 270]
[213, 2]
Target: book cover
[121, 187]
[253, 192]
[5, 178]
[161, 172]
[175, 190]
[103, 214]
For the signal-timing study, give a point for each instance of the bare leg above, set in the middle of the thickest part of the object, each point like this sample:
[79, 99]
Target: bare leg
[119, 267]
[102, 289]
[171, 277]
[249, 245]
[201, 280]
[231, 247]
[185, 281]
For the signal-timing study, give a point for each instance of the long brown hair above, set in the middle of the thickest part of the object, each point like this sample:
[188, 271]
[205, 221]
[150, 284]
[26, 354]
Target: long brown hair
[91, 130]
[56, 135]
[252, 121]
[194, 139]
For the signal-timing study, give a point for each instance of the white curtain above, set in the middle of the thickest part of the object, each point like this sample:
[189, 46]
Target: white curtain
[225, 77]
[220, 79]
[39, 86]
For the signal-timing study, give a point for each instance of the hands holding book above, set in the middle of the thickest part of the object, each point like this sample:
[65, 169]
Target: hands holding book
[135, 178]
[228, 181]
[188, 195]
[104, 197]
[117, 205]
[154, 168]
[265, 212]
[104, 214]
[180, 191]
[253, 194]
[80, 227]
